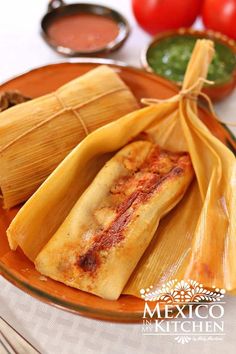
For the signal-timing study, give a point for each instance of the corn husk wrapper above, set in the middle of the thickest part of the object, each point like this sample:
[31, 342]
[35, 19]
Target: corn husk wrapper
[36, 136]
[197, 239]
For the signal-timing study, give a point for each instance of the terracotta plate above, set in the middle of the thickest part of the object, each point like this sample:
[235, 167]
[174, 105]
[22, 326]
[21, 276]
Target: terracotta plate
[14, 266]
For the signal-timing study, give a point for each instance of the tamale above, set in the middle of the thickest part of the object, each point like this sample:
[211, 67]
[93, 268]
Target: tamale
[104, 236]
[36, 136]
[197, 239]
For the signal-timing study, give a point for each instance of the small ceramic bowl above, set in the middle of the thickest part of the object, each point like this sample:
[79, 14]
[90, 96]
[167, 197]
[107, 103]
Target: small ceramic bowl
[217, 91]
[58, 9]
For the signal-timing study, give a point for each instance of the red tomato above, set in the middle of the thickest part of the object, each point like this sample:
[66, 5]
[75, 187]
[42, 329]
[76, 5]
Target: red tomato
[220, 15]
[160, 15]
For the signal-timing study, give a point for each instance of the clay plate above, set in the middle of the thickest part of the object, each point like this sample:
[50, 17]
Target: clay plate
[14, 266]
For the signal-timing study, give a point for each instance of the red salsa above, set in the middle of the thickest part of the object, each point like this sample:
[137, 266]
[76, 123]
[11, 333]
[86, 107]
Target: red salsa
[83, 31]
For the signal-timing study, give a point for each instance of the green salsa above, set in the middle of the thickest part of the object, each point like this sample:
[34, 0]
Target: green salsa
[170, 56]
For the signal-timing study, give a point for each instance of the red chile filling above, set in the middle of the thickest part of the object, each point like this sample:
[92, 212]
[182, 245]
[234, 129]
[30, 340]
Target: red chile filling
[114, 234]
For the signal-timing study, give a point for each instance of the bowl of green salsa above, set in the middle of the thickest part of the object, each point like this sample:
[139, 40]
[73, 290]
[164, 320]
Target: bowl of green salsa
[169, 53]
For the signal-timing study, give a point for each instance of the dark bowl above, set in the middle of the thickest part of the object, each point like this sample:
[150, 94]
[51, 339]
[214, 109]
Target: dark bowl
[217, 91]
[57, 9]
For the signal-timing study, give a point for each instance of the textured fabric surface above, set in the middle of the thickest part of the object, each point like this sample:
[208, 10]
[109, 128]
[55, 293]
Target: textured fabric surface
[51, 330]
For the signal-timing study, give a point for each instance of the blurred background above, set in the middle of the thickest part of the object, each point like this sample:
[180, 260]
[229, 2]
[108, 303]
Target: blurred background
[23, 47]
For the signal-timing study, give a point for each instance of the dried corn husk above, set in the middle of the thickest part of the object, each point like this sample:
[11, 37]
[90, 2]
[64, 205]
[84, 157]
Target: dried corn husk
[37, 135]
[197, 239]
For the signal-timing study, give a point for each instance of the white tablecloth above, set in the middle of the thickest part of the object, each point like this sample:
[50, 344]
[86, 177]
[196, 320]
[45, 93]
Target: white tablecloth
[51, 330]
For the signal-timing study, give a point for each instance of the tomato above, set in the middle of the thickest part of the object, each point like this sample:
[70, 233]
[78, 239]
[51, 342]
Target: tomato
[220, 15]
[160, 15]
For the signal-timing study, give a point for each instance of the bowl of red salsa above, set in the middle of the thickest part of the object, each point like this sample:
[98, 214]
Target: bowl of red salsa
[83, 29]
